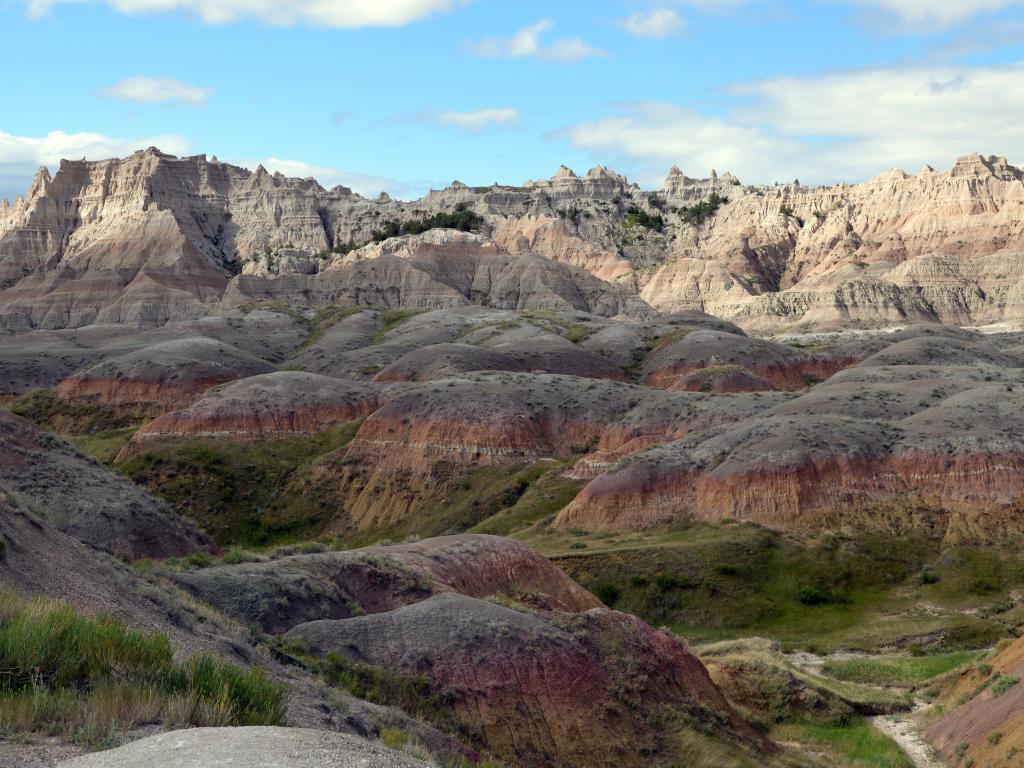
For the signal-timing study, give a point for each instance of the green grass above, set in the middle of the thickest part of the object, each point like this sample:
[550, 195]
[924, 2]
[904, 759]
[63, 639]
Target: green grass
[493, 500]
[412, 695]
[323, 321]
[69, 417]
[88, 678]
[577, 334]
[548, 491]
[903, 671]
[857, 745]
[856, 592]
[392, 319]
[102, 446]
[239, 492]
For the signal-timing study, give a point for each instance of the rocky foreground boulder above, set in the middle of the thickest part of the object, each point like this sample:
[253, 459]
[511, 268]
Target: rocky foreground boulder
[254, 747]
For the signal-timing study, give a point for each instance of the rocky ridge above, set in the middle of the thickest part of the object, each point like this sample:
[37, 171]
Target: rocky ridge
[154, 238]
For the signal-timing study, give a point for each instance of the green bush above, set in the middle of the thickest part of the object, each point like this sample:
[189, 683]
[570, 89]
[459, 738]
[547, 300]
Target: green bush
[705, 209]
[639, 217]
[608, 594]
[462, 219]
[815, 595]
[1003, 683]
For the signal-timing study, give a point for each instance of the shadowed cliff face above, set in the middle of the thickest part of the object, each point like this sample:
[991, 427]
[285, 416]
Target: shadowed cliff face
[153, 238]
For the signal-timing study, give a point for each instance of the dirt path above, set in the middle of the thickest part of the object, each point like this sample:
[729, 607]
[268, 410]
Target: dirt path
[903, 730]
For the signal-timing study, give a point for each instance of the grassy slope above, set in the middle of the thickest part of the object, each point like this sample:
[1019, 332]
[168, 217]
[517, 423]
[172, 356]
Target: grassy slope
[897, 671]
[500, 501]
[236, 491]
[857, 745]
[864, 593]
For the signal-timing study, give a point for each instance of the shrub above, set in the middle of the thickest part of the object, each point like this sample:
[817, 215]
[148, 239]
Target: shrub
[639, 217]
[815, 595]
[928, 576]
[1003, 683]
[666, 582]
[608, 594]
[705, 209]
[462, 219]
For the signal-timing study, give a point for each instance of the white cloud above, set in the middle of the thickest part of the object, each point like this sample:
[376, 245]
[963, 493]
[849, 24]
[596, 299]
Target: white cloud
[157, 90]
[661, 22]
[845, 126]
[478, 119]
[936, 12]
[926, 13]
[343, 14]
[365, 185]
[21, 156]
[527, 43]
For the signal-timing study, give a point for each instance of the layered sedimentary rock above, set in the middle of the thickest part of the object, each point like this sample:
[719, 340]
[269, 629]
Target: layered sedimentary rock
[270, 406]
[783, 366]
[280, 594]
[153, 238]
[972, 711]
[162, 377]
[544, 689]
[425, 440]
[930, 444]
[438, 269]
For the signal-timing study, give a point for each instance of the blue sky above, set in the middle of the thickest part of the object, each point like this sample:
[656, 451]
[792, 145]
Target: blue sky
[405, 95]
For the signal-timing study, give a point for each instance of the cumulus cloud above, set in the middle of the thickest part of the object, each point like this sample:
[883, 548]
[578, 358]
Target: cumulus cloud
[343, 14]
[477, 119]
[364, 184]
[157, 90]
[21, 156]
[658, 23]
[845, 126]
[527, 43]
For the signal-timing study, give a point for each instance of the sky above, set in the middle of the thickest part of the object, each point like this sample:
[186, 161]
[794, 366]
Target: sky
[407, 95]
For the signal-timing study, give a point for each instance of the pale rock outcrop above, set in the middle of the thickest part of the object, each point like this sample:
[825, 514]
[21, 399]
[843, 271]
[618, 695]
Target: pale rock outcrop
[153, 238]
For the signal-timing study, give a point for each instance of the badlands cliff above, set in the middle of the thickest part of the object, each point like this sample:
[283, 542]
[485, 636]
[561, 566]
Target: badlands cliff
[153, 238]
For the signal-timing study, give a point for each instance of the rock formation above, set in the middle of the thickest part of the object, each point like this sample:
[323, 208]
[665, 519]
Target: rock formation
[543, 689]
[154, 238]
[84, 500]
[923, 436]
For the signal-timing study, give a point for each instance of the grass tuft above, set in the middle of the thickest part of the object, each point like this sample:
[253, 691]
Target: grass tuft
[89, 678]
